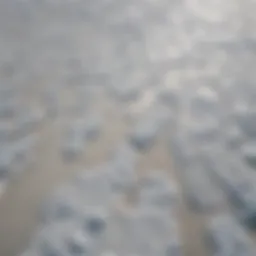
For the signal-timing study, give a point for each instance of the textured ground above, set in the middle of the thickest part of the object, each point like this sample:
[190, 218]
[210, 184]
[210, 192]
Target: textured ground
[127, 127]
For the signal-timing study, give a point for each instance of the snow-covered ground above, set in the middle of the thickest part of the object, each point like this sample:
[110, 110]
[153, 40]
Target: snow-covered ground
[127, 127]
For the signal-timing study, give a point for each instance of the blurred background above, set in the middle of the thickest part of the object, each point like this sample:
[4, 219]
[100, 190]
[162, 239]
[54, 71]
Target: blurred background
[127, 128]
